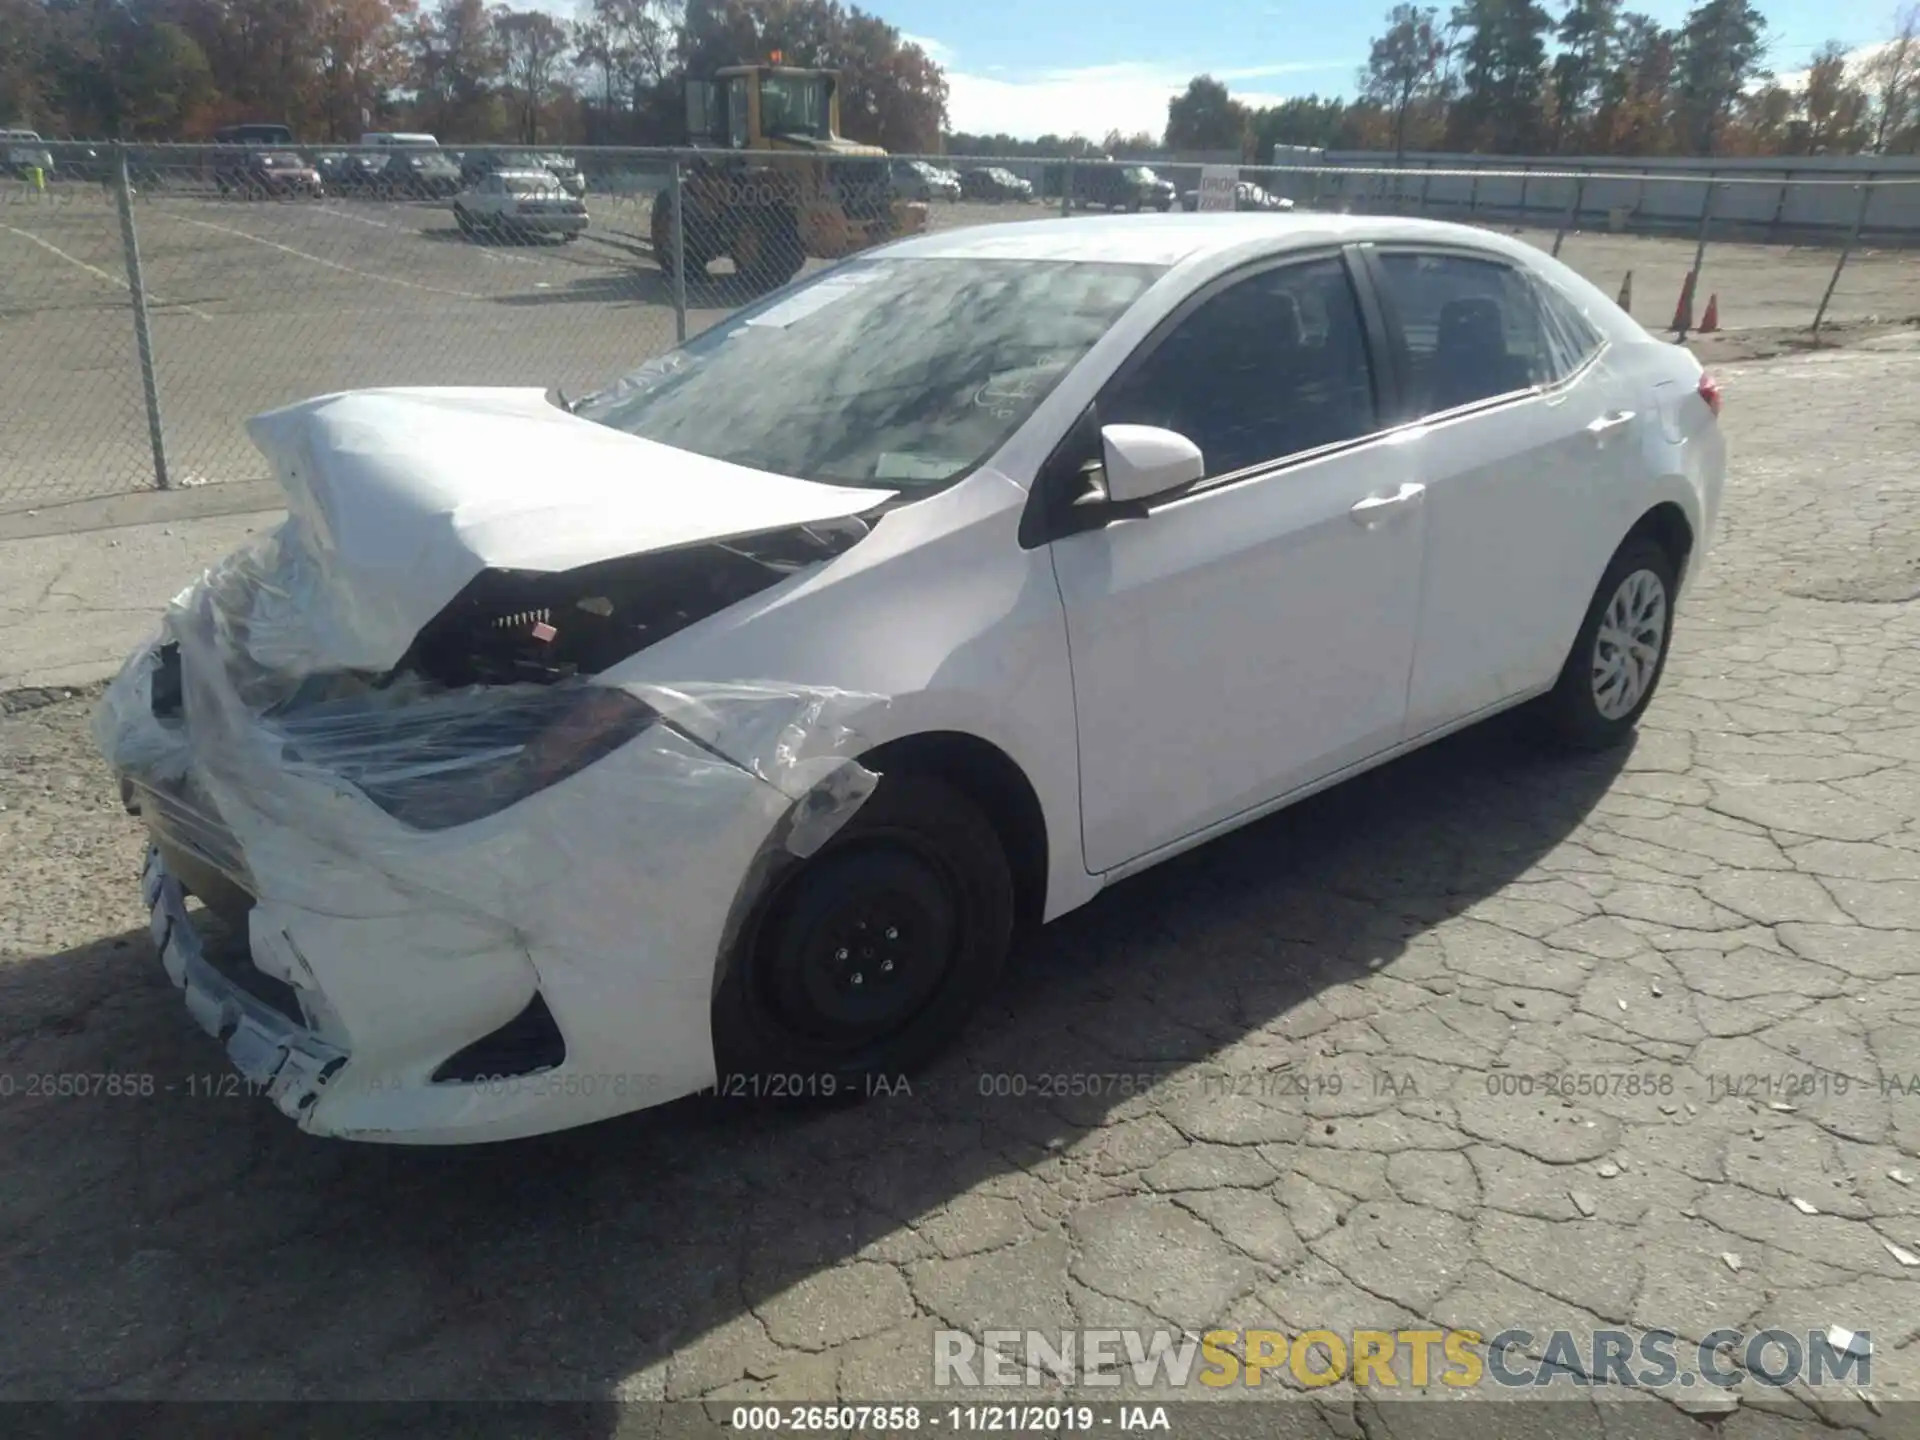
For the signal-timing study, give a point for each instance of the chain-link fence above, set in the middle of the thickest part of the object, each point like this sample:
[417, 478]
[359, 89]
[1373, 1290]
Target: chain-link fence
[152, 297]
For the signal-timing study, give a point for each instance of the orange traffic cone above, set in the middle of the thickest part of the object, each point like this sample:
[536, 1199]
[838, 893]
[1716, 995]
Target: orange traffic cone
[1710, 321]
[1683, 310]
[1625, 302]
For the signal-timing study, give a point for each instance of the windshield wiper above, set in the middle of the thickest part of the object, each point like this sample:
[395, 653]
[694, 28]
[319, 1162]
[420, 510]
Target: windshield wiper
[557, 396]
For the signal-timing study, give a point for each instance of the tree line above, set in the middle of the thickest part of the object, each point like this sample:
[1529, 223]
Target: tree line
[463, 69]
[1506, 77]
[1500, 76]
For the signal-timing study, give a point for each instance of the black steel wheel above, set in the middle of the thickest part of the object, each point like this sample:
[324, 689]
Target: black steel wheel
[865, 960]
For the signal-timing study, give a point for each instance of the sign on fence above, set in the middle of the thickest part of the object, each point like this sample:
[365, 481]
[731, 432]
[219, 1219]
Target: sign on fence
[1216, 186]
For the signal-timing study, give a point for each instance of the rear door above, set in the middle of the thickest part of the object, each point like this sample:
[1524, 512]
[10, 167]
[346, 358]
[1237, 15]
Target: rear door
[1519, 426]
[1242, 638]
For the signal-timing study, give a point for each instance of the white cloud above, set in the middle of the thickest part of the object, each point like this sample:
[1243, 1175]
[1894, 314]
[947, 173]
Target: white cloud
[1857, 60]
[938, 51]
[1093, 99]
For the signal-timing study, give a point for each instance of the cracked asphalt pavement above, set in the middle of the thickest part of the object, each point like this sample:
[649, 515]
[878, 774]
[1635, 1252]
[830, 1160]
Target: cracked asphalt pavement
[1487, 1038]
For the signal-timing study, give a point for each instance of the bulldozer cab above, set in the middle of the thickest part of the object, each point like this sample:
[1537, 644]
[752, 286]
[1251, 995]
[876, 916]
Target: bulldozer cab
[777, 183]
[764, 107]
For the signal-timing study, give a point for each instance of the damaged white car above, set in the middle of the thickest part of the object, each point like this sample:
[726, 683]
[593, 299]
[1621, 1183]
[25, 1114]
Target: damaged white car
[556, 758]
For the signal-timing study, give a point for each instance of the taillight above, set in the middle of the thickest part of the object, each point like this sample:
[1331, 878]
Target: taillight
[1710, 391]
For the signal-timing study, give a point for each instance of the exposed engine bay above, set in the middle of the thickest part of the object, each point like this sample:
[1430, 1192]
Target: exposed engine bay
[523, 626]
[491, 702]
[530, 627]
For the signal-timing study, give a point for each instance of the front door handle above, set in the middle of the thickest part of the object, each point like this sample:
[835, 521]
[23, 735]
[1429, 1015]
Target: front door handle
[1607, 424]
[1376, 508]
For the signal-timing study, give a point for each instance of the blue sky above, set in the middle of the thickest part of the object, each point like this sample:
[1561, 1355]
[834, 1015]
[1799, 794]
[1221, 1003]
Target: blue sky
[1032, 66]
[1029, 67]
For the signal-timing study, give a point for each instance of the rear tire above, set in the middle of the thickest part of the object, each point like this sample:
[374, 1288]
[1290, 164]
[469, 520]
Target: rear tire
[864, 961]
[767, 252]
[1620, 653]
[660, 232]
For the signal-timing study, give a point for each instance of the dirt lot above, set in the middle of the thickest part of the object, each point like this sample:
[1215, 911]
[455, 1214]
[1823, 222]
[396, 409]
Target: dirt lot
[263, 303]
[1717, 929]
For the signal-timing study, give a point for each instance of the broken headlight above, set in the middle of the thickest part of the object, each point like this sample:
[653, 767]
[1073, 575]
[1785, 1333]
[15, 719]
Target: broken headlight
[454, 758]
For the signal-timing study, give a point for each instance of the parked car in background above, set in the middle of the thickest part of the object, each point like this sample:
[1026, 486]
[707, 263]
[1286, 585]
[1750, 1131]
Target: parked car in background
[550, 743]
[991, 182]
[342, 171]
[1247, 196]
[275, 136]
[78, 161]
[399, 139]
[566, 169]
[519, 205]
[476, 165]
[413, 173]
[923, 180]
[1121, 187]
[269, 175]
[22, 152]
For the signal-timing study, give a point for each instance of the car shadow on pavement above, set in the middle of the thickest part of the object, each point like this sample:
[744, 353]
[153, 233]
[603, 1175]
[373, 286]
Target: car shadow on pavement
[188, 1242]
[632, 287]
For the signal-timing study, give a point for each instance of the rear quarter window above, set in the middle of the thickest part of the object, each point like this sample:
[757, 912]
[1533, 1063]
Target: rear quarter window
[1473, 328]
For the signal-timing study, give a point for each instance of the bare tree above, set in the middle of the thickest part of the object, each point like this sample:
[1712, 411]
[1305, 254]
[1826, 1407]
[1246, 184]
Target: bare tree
[1836, 108]
[535, 47]
[1404, 66]
[1893, 78]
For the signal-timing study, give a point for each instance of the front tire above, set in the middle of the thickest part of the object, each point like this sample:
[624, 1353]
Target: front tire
[865, 960]
[1621, 651]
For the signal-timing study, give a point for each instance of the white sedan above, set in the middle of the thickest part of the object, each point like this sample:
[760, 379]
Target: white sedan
[714, 731]
[519, 205]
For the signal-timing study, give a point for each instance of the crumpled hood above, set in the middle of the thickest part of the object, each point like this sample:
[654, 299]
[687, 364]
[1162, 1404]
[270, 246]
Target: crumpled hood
[398, 498]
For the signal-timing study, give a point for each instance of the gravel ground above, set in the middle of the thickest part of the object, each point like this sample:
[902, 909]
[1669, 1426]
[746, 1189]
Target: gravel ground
[1334, 1010]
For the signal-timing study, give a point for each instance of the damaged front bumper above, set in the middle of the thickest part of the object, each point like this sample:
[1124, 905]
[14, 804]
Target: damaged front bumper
[463, 913]
[282, 1059]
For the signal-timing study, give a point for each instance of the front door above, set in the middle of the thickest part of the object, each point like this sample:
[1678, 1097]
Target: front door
[1255, 632]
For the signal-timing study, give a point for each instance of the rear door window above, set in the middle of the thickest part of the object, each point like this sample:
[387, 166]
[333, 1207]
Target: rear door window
[1473, 328]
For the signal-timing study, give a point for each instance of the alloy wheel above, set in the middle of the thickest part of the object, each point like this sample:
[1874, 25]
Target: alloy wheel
[1627, 646]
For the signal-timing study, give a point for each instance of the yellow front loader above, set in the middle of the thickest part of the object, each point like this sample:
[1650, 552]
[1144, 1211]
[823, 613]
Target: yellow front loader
[775, 181]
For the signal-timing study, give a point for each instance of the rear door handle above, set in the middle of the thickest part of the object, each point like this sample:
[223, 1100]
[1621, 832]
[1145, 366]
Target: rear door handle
[1376, 508]
[1607, 424]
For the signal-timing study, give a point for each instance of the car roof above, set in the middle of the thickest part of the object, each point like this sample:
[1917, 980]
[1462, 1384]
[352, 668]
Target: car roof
[525, 174]
[1171, 239]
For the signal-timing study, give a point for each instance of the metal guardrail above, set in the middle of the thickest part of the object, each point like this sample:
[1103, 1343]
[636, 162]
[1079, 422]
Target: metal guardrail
[152, 296]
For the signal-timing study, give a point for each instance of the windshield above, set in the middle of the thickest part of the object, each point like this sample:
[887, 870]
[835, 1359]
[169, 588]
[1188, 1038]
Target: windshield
[901, 372]
[793, 105]
[1141, 175]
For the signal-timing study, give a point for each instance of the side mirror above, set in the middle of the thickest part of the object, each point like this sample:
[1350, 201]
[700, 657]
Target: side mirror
[1143, 461]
